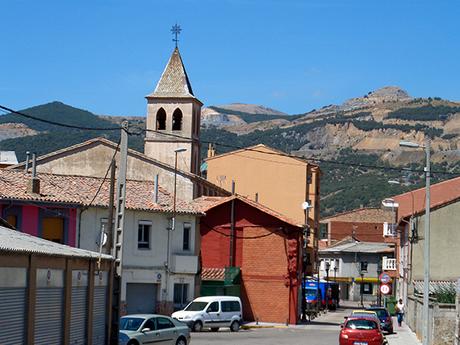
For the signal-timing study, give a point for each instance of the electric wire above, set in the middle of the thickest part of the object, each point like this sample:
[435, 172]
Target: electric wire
[311, 159]
[60, 124]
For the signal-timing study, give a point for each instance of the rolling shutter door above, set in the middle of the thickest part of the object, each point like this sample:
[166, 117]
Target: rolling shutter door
[13, 302]
[79, 307]
[49, 303]
[100, 309]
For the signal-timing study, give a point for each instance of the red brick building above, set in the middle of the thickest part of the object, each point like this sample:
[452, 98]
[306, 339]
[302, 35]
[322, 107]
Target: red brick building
[364, 224]
[267, 248]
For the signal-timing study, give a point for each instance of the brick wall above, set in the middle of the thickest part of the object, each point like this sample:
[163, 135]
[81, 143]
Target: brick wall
[265, 295]
[366, 232]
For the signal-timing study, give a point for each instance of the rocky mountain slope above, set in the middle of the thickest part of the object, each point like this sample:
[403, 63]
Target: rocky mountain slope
[364, 129]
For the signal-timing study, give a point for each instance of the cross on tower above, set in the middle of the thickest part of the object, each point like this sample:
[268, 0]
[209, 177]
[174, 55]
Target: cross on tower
[176, 31]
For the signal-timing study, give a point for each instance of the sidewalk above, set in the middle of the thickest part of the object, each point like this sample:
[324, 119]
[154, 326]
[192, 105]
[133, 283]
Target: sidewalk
[402, 336]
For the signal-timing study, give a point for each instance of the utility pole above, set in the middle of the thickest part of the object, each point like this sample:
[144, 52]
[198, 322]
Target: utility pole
[426, 247]
[117, 249]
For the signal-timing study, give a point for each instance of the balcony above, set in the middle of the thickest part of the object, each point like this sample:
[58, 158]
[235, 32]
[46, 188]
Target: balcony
[389, 230]
[388, 264]
[184, 264]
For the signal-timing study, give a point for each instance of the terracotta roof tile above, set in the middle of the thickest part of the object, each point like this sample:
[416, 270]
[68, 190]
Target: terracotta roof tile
[362, 215]
[412, 203]
[80, 190]
[205, 203]
[217, 274]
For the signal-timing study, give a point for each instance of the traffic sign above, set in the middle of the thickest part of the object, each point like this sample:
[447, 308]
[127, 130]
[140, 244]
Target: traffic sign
[385, 289]
[384, 278]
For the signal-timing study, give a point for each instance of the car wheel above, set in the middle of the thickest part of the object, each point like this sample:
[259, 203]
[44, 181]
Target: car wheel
[197, 326]
[133, 342]
[235, 326]
[214, 329]
[181, 341]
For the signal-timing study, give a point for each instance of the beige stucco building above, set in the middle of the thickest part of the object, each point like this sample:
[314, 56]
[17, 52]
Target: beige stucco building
[273, 178]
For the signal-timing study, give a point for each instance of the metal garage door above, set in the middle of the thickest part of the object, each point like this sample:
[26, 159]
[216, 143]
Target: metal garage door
[100, 309]
[141, 298]
[79, 307]
[49, 302]
[13, 301]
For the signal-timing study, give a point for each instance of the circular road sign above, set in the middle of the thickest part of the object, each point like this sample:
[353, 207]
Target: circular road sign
[385, 289]
[384, 278]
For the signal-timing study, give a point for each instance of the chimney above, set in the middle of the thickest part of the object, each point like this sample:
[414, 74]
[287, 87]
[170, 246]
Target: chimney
[211, 150]
[155, 189]
[34, 184]
[26, 168]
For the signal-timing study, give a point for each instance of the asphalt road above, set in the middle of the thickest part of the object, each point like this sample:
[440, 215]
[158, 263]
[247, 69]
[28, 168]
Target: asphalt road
[269, 336]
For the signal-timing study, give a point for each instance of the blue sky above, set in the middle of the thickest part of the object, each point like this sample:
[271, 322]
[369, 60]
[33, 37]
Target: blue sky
[291, 55]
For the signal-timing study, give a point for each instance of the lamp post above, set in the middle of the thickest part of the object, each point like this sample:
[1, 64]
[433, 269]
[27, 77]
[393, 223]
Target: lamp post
[173, 219]
[379, 272]
[306, 233]
[328, 266]
[426, 237]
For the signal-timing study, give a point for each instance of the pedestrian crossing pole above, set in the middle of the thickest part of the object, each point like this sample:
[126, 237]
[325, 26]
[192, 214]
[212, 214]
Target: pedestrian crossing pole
[117, 249]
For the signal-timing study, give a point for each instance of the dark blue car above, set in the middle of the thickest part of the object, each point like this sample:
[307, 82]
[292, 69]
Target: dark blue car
[386, 323]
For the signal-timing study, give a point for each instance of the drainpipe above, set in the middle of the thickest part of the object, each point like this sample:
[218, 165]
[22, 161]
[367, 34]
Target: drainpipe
[232, 227]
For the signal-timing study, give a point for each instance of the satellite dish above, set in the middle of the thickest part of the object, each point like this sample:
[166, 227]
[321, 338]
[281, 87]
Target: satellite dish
[305, 205]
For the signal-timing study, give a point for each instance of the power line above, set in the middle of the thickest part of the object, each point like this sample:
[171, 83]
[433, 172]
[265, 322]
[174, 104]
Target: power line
[313, 159]
[59, 123]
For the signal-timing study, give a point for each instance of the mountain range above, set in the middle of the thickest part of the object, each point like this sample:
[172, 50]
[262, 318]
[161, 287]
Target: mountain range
[345, 140]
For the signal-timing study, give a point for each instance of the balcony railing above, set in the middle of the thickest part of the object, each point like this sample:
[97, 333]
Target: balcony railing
[389, 230]
[388, 264]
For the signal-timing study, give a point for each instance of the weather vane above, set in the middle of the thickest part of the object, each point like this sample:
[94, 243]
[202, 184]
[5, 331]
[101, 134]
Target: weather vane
[176, 31]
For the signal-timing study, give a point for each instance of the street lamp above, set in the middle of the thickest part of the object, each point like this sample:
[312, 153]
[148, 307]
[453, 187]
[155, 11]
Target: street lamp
[173, 219]
[328, 266]
[379, 272]
[306, 233]
[426, 237]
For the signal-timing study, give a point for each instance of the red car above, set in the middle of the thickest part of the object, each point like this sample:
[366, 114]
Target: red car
[361, 331]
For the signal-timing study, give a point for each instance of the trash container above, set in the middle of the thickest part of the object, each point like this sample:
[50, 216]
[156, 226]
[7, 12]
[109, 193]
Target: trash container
[391, 304]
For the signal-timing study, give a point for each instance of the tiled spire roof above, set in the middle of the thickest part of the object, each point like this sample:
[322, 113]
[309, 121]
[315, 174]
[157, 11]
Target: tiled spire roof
[174, 81]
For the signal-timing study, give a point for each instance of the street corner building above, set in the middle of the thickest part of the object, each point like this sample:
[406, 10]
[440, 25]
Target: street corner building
[160, 266]
[251, 251]
[52, 293]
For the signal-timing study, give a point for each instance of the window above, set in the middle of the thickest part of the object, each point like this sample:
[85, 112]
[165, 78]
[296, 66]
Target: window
[164, 323]
[186, 236]
[161, 119]
[323, 231]
[181, 295]
[143, 235]
[228, 306]
[213, 307]
[12, 220]
[366, 288]
[53, 229]
[150, 323]
[177, 120]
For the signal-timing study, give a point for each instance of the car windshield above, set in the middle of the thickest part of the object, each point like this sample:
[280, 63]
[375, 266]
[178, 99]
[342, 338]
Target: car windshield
[196, 306]
[381, 313]
[130, 323]
[310, 292]
[361, 324]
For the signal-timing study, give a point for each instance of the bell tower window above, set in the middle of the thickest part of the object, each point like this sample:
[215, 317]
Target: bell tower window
[161, 119]
[177, 120]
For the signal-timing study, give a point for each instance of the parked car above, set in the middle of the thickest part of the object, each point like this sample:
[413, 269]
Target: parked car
[361, 331]
[386, 323]
[364, 313]
[212, 312]
[150, 328]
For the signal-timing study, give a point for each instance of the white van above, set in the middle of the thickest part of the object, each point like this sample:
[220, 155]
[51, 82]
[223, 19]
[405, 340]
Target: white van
[212, 312]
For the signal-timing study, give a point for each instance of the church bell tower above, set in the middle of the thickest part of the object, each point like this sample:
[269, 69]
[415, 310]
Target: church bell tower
[173, 118]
